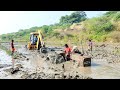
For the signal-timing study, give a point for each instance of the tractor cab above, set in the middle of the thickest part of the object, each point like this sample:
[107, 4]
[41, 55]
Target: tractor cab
[36, 40]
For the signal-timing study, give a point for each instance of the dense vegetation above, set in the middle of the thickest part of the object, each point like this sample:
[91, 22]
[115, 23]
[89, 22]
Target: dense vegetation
[76, 27]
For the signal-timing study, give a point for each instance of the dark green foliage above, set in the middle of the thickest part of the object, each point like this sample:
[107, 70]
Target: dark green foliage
[75, 17]
[110, 13]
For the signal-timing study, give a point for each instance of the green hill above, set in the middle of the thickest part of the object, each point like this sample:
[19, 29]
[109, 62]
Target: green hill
[76, 27]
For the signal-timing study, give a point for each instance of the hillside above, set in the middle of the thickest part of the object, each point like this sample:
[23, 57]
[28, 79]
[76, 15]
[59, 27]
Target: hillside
[76, 27]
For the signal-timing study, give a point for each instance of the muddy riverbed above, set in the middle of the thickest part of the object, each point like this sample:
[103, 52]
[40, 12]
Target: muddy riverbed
[30, 65]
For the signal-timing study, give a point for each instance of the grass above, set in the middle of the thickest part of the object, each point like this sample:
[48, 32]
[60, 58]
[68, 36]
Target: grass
[8, 51]
[5, 49]
[117, 51]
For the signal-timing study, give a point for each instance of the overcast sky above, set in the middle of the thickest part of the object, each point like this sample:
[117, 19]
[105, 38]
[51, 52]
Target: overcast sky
[12, 21]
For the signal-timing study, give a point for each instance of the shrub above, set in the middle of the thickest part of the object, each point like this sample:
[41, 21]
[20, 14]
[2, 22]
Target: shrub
[115, 36]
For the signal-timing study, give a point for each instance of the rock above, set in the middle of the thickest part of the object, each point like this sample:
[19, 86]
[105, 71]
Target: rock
[57, 76]
[20, 54]
[13, 71]
[1, 66]
[19, 66]
[20, 57]
[103, 45]
[25, 76]
[42, 56]
[27, 59]
[32, 76]
[24, 56]
[15, 58]
[55, 70]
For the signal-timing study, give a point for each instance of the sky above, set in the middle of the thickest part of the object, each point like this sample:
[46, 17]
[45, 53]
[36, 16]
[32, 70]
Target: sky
[12, 21]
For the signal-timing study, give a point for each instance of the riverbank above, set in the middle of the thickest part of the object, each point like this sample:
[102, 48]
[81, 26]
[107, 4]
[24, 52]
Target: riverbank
[30, 65]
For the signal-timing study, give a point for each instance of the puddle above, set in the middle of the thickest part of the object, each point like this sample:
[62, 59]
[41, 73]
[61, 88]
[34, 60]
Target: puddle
[101, 71]
[4, 58]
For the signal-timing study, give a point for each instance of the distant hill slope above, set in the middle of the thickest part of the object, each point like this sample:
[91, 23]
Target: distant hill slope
[76, 27]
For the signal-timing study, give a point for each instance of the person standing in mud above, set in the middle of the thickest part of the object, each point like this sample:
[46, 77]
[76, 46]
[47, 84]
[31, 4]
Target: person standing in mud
[12, 50]
[36, 38]
[90, 45]
[67, 52]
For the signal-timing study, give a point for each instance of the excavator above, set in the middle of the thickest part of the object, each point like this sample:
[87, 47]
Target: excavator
[32, 45]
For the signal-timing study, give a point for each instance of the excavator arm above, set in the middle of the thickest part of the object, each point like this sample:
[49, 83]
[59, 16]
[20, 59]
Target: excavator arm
[40, 40]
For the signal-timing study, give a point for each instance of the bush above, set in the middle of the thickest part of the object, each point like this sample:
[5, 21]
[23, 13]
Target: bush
[110, 13]
[117, 17]
[115, 36]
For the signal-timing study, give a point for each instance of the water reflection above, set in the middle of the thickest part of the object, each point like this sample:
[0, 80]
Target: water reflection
[94, 64]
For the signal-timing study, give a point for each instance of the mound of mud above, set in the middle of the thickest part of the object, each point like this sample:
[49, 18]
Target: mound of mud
[43, 75]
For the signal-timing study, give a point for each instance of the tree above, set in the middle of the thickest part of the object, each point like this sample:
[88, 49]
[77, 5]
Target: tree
[75, 17]
[110, 13]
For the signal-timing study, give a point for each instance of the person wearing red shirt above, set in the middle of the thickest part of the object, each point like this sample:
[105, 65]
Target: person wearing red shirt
[67, 51]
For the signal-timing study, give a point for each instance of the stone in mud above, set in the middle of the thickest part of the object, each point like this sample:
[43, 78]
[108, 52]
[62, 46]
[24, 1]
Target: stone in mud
[20, 57]
[55, 70]
[103, 45]
[27, 59]
[24, 56]
[89, 78]
[1, 66]
[15, 58]
[19, 66]
[42, 56]
[25, 76]
[13, 71]
[20, 54]
[57, 77]
[86, 77]
[52, 50]
[32, 76]
[75, 77]
[41, 75]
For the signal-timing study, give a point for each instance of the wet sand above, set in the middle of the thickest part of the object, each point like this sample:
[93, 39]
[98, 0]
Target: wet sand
[35, 67]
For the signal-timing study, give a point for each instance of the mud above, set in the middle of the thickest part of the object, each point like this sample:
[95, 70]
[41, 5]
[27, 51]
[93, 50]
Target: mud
[33, 64]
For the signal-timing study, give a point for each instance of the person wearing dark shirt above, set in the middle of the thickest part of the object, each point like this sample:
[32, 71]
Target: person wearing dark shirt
[12, 47]
[13, 50]
[35, 40]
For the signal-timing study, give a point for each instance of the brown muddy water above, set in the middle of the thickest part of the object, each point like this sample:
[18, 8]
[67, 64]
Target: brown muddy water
[32, 62]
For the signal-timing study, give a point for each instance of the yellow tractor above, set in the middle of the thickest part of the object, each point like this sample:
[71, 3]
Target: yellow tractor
[36, 40]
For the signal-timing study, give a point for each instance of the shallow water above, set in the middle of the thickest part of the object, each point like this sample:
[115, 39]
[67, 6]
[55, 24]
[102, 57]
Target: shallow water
[102, 70]
[4, 58]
